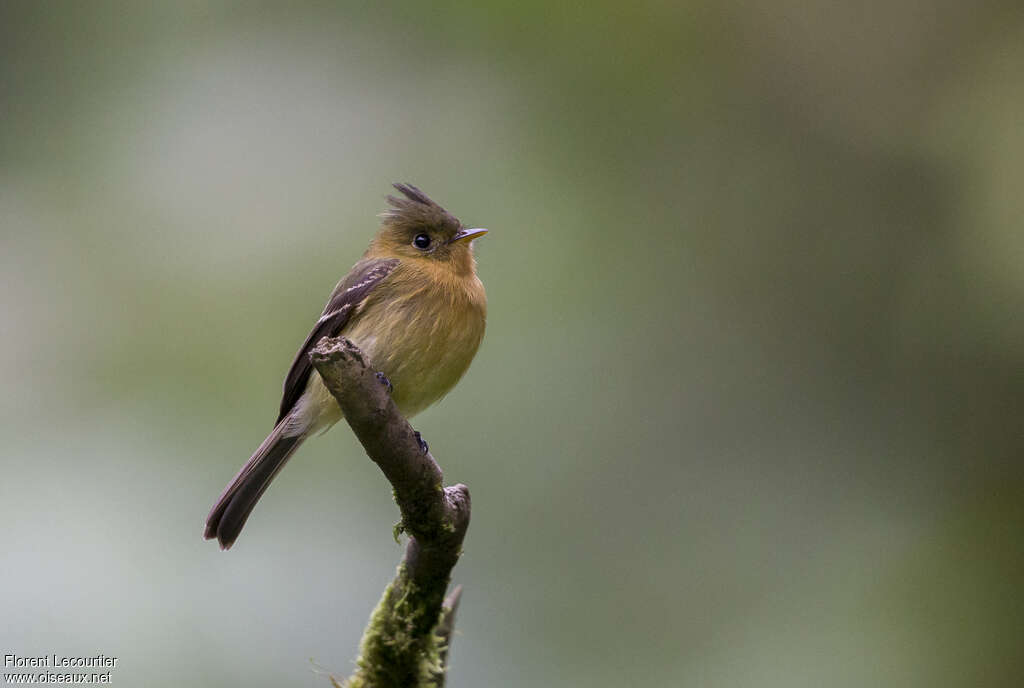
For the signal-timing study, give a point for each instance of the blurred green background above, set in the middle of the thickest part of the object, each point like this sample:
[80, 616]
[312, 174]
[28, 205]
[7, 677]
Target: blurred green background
[748, 411]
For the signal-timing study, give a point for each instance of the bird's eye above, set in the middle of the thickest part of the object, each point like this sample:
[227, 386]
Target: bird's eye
[422, 241]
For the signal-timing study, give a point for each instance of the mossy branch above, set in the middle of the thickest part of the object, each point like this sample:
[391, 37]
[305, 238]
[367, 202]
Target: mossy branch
[406, 642]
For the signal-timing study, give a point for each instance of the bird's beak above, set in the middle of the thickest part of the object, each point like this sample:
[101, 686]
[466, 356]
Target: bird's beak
[467, 234]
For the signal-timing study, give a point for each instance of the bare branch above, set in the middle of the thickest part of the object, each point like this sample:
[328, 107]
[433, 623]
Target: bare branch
[406, 641]
[445, 630]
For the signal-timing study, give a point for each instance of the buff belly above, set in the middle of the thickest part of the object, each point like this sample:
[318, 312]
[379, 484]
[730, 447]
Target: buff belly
[423, 360]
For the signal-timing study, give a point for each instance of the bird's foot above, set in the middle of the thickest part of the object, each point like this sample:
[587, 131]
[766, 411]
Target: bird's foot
[383, 379]
[423, 443]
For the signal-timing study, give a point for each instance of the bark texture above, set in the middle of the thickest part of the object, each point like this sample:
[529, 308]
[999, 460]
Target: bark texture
[406, 642]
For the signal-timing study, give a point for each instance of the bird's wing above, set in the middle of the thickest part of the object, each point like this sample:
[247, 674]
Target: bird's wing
[345, 299]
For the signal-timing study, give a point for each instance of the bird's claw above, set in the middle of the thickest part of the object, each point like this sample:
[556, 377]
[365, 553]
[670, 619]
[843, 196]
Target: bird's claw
[383, 379]
[423, 443]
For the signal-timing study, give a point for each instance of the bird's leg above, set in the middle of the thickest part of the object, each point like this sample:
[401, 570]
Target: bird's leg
[383, 379]
[423, 443]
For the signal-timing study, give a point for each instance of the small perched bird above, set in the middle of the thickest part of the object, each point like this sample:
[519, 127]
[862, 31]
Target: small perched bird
[416, 308]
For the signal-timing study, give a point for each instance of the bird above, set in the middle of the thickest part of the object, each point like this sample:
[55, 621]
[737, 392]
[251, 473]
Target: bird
[415, 306]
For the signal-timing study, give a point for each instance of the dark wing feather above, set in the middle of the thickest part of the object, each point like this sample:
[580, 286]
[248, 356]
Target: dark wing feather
[346, 297]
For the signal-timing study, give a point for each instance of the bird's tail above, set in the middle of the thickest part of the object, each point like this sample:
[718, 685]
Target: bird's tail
[240, 496]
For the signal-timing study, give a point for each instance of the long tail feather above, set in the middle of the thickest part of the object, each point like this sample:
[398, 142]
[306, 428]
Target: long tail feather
[240, 496]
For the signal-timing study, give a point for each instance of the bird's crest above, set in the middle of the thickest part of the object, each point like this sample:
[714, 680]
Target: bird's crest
[417, 210]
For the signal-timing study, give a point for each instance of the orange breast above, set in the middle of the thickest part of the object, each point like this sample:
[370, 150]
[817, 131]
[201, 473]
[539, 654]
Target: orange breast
[423, 340]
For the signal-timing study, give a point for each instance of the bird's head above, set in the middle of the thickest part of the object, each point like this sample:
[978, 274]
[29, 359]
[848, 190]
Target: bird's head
[416, 228]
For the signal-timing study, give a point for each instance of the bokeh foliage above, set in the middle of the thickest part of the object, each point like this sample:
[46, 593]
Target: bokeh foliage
[748, 409]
